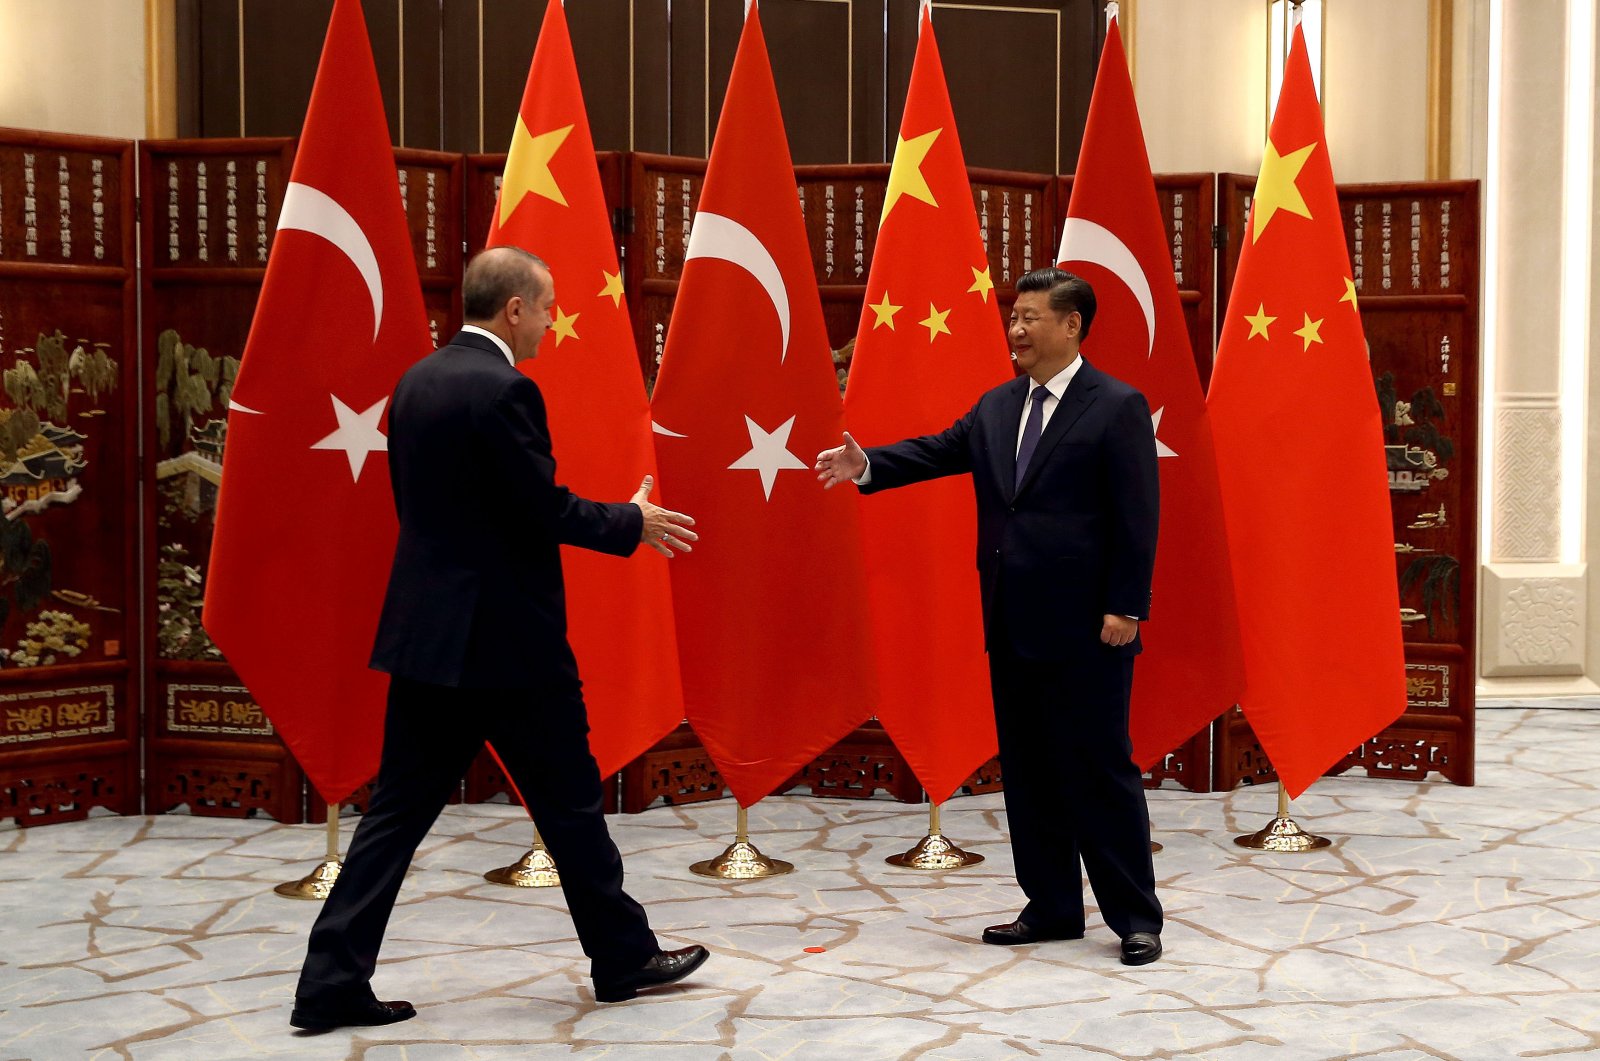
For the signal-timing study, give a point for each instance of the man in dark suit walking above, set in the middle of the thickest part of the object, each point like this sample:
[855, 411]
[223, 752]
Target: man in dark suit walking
[473, 634]
[1063, 463]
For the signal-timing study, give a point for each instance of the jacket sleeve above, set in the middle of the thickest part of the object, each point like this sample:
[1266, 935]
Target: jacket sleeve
[1135, 491]
[915, 460]
[517, 433]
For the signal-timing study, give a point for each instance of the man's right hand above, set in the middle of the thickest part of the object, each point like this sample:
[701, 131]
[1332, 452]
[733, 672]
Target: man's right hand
[663, 530]
[842, 464]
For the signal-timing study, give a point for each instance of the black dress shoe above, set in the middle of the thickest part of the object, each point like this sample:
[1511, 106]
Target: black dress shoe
[1140, 948]
[665, 967]
[1019, 932]
[314, 1016]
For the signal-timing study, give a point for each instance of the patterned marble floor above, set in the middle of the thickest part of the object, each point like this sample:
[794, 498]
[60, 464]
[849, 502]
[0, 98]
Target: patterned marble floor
[1443, 923]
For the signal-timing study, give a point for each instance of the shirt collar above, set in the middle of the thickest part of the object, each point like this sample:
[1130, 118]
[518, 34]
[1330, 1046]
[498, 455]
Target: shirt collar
[1057, 384]
[501, 343]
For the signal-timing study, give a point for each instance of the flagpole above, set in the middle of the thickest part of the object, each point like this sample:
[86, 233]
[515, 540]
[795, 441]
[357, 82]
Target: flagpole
[741, 860]
[319, 882]
[934, 851]
[536, 869]
[1282, 833]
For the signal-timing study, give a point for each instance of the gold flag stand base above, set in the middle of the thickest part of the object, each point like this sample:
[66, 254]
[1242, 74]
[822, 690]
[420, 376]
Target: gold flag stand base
[319, 882]
[1154, 847]
[934, 851]
[536, 869]
[742, 860]
[1282, 833]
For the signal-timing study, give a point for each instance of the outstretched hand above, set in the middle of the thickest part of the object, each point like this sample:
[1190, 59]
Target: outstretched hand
[664, 530]
[842, 464]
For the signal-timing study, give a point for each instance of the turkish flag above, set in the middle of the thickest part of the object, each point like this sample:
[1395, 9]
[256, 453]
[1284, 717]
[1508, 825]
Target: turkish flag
[930, 342]
[1191, 670]
[1301, 461]
[305, 520]
[772, 622]
[619, 611]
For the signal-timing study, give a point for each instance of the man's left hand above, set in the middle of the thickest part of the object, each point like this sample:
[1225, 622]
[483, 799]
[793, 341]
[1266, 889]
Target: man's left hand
[1118, 630]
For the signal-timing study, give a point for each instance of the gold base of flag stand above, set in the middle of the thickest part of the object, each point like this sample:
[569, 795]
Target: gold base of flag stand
[1154, 847]
[934, 851]
[536, 869]
[1282, 833]
[319, 882]
[741, 860]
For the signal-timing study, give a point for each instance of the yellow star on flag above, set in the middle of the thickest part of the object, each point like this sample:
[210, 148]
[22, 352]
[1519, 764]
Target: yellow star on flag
[935, 322]
[1310, 331]
[1276, 190]
[885, 312]
[613, 287]
[1259, 322]
[905, 176]
[565, 325]
[1350, 294]
[982, 283]
[528, 168]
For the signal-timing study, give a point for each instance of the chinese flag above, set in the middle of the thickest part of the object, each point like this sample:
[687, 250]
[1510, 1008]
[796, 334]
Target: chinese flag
[930, 342]
[1301, 462]
[305, 521]
[772, 622]
[1191, 670]
[619, 612]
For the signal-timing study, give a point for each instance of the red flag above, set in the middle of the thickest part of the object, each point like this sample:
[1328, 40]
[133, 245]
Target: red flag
[619, 612]
[772, 627]
[1191, 670]
[930, 342]
[305, 521]
[1301, 461]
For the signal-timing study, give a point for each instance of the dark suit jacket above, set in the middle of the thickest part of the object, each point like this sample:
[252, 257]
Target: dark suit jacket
[1077, 540]
[475, 596]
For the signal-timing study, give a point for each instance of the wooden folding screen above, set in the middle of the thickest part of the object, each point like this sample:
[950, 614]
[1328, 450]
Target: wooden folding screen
[69, 634]
[1414, 250]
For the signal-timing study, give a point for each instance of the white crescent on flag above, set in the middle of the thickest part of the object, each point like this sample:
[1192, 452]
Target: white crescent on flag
[1085, 241]
[715, 236]
[309, 210]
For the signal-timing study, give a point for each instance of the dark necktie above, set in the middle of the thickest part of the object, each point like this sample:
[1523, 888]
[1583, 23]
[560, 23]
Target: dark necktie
[1030, 433]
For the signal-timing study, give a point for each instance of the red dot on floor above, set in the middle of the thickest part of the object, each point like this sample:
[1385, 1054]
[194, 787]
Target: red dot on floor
[816, 950]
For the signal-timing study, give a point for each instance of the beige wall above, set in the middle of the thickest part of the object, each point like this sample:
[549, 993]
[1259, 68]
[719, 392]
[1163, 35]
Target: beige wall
[1201, 81]
[73, 66]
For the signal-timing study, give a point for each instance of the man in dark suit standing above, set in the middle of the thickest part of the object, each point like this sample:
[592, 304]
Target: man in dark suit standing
[473, 634]
[1063, 463]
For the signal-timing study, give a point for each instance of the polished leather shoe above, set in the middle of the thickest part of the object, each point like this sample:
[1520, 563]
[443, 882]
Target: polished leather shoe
[664, 968]
[1140, 948]
[314, 1016]
[1019, 932]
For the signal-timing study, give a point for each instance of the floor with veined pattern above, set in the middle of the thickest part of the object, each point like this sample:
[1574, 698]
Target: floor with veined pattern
[1444, 922]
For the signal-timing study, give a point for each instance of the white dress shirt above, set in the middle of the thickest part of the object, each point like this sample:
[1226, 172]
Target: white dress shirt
[501, 343]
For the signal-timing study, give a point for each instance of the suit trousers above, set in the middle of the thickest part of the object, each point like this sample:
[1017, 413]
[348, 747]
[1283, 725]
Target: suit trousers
[432, 733]
[1072, 790]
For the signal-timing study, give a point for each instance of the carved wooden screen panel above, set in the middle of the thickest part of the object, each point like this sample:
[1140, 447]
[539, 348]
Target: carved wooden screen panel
[842, 206]
[1414, 252]
[68, 350]
[432, 189]
[209, 210]
[663, 192]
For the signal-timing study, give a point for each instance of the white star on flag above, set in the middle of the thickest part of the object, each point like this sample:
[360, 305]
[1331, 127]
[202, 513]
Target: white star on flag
[358, 434]
[769, 453]
[1162, 449]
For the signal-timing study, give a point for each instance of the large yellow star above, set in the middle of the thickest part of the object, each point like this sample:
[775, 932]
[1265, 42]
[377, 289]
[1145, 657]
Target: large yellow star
[1350, 293]
[885, 312]
[982, 283]
[935, 322]
[528, 168]
[565, 325]
[1259, 322]
[1275, 188]
[1310, 332]
[905, 176]
[613, 287]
